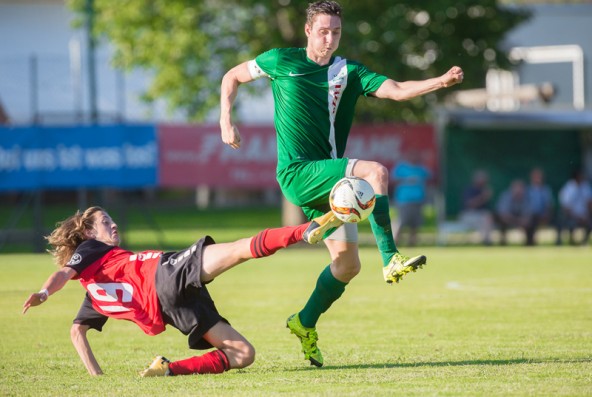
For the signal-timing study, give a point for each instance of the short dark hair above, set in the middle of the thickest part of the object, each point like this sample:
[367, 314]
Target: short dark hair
[322, 7]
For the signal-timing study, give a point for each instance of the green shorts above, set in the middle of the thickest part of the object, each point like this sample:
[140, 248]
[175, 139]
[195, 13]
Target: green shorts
[307, 184]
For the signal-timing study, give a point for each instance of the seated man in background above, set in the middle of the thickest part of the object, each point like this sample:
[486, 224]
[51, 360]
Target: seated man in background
[513, 209]
[476, 200]
[540, 198]
[575, 202]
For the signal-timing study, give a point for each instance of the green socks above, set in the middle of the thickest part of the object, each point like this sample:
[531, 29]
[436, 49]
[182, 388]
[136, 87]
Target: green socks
[380, 221]
[327, 291]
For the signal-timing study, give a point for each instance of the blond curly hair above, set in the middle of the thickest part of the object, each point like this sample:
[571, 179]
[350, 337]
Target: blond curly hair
[69, 234]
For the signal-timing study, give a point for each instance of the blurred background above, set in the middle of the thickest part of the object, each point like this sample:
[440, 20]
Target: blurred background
[116, 104]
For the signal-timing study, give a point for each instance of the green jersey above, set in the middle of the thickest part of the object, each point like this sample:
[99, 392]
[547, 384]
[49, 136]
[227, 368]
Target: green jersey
[314, 105]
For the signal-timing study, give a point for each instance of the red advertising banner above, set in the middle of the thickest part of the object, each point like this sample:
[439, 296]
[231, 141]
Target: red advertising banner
[389, 143]
[193, 155]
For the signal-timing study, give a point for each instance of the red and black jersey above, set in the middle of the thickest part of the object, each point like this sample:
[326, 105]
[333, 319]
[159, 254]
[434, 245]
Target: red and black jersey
[120, 283]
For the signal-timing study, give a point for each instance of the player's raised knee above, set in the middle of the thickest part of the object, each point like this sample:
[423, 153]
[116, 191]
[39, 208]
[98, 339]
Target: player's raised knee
[381, 173]
[372, 171]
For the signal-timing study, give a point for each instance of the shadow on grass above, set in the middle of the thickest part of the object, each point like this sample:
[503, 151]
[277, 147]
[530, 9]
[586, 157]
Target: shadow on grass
[448, 364]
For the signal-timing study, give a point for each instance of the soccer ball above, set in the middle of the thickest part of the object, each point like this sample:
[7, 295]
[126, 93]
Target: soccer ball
[352, 199]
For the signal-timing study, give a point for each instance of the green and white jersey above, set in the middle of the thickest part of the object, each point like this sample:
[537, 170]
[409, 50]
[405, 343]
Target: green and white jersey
[314, 105]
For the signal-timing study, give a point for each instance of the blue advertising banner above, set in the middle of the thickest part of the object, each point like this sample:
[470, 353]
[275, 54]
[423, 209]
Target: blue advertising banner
[122, 156]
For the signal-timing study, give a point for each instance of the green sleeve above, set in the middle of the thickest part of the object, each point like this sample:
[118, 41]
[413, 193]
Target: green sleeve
[268, 61]
[369, 80]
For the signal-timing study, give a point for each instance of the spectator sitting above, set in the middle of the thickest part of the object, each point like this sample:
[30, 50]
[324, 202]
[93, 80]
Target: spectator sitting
[513, 209]
[410, 177]
[476, 213]
[575, 201]
[4, 120]
[540, 198]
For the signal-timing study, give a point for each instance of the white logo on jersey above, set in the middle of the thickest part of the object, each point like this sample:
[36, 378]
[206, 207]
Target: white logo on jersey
[76, 259]
[142, 256]
[292, 74]
[175, 258]
[107, 292]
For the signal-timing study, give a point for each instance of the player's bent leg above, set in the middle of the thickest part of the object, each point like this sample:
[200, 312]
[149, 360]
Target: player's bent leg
[232, 351]
[380, 221]
[395, 265]
[236, 347]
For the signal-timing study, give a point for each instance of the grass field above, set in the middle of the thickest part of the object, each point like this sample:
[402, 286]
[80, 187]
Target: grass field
[474, 322]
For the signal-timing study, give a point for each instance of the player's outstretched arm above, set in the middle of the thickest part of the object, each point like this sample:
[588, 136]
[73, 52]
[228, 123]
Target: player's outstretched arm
[406, 90]
[80, 342]
[54, 283]
[228, 91]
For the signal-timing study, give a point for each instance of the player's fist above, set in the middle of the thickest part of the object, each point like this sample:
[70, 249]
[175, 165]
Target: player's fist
[454, 76]
[230, 135]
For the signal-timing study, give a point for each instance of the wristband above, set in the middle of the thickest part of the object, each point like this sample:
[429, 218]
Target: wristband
[44, 292]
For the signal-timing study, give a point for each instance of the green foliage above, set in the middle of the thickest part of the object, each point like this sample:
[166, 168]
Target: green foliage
[475, 322]
[544, 2]
[188, 45]
[410, 41]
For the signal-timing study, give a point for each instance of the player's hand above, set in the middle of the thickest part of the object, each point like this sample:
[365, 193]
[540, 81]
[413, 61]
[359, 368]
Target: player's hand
[231, 136]
[34, 300]
[454, 76]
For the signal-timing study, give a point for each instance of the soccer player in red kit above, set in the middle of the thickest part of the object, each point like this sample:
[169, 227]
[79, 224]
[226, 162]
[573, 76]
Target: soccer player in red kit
[153, 289]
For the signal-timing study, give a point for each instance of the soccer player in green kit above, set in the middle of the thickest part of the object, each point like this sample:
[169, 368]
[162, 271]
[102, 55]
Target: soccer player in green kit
[315, 93]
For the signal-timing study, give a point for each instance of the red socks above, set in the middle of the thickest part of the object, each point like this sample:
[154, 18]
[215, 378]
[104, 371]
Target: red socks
[214, 362]
[268, 241]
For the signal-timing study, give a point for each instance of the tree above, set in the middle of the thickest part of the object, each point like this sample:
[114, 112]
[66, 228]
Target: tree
[188, 44]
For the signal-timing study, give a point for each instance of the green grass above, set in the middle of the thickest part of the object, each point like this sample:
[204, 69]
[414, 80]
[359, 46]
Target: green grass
[474, 322]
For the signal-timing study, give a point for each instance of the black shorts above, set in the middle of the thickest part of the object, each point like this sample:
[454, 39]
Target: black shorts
[87, 315]
[185, 303]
